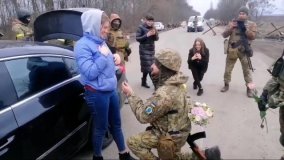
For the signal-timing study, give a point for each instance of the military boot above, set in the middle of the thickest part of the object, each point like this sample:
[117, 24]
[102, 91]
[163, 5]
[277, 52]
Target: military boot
[249, 93]
[144, 83]
[213, 153]
[225, 88]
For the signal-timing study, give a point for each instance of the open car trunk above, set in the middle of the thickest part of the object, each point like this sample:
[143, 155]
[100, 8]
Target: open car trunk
[59, 24]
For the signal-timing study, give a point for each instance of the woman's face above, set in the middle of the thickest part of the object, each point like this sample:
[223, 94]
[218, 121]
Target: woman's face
[150, 23]
[198, 45]
[105, 29]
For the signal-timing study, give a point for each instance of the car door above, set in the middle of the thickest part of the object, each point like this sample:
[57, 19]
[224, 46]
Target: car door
[46, 118]
[8, 124]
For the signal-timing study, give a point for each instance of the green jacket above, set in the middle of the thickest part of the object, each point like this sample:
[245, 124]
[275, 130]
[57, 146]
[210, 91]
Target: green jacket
[22, 31]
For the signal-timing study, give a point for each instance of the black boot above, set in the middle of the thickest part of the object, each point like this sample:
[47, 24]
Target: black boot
[213, 153]
[98, 158]
[225, 88]
[200, 92]
[125, 156]
[194, 85]
[144, 83]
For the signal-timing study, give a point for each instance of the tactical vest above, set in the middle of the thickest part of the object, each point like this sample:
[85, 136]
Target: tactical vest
[23, 32]
[117, 39]
[235, 37]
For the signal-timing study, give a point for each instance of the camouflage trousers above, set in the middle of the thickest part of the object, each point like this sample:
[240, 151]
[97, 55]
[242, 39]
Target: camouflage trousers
[281, 121]
[142, 144]
[232, 57]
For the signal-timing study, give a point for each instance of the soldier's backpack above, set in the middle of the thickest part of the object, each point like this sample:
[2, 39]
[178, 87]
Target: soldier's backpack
[278, 68]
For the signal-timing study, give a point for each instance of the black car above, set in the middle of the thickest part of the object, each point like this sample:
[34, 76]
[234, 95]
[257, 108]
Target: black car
[43, 114]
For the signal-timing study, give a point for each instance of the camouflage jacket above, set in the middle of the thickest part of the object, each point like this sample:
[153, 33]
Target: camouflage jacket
[117, 40]
[22, 31]
[234, 33]
[275, 88]
[167, 109]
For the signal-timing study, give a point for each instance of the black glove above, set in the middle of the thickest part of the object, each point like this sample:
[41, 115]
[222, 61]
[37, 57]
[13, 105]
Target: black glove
[241, 25]
[263, 101]
[128, 51]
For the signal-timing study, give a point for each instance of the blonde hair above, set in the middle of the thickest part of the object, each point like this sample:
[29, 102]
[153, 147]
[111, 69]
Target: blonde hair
[105, 18]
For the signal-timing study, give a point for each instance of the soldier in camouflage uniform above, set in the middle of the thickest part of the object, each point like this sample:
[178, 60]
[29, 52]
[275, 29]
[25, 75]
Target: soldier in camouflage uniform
[117, 42]
[166, 111]
[273, 94]
[235, 52]
[20, 26]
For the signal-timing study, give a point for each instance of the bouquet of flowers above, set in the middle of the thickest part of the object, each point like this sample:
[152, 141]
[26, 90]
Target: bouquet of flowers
[200, 114]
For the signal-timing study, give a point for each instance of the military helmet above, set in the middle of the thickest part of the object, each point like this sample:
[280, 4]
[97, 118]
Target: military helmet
[23, 13]
[169, 58]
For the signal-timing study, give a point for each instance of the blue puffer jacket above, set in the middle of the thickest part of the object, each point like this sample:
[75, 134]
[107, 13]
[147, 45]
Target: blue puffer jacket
[96, 69]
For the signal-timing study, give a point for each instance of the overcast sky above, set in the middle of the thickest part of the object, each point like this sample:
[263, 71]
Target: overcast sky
[203, 5]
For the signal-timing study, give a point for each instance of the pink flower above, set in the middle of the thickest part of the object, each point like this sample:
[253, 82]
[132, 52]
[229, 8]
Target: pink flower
[198, 111]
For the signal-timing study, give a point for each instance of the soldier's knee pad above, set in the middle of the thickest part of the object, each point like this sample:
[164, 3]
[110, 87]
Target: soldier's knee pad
[281, 139]
[131, 142]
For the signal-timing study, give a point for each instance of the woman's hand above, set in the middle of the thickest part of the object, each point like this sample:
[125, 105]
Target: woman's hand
[198, 55]
[104, 50]
[117, 59]
[126, 89]
[194, 57]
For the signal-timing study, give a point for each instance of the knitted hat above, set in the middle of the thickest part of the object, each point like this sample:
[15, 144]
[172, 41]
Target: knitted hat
[244, 9]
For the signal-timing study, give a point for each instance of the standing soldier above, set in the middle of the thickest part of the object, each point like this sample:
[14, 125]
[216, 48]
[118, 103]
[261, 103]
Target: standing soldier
[166, 111]
[273, 94]
[20, 26]
[146, 35]
[117, 42]
[241, 32]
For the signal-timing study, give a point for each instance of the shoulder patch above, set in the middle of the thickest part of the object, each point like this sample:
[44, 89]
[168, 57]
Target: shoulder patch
[149, 110]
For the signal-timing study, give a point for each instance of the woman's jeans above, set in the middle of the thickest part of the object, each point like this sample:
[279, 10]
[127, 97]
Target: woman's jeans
[105, 109]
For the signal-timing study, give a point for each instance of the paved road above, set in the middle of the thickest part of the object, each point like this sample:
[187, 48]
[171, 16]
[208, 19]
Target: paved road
[236, 125]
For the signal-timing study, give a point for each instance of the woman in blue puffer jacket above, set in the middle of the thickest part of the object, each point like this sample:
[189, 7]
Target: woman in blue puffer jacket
[97, 68]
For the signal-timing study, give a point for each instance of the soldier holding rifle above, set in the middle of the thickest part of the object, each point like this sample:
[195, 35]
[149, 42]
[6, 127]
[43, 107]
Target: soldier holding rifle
[241, 32]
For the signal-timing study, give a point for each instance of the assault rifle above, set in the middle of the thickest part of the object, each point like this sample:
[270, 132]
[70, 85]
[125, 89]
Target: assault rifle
[212, 153]
[244, 41]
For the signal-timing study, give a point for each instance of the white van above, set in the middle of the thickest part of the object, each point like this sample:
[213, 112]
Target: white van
[195, 20]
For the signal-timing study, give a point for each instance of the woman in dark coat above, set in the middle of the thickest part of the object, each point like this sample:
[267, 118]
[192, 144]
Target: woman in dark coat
[198, 59]
[146, 35]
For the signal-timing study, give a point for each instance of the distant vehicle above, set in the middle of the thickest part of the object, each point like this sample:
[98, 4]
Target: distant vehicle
[159, 26]
[192, 23]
